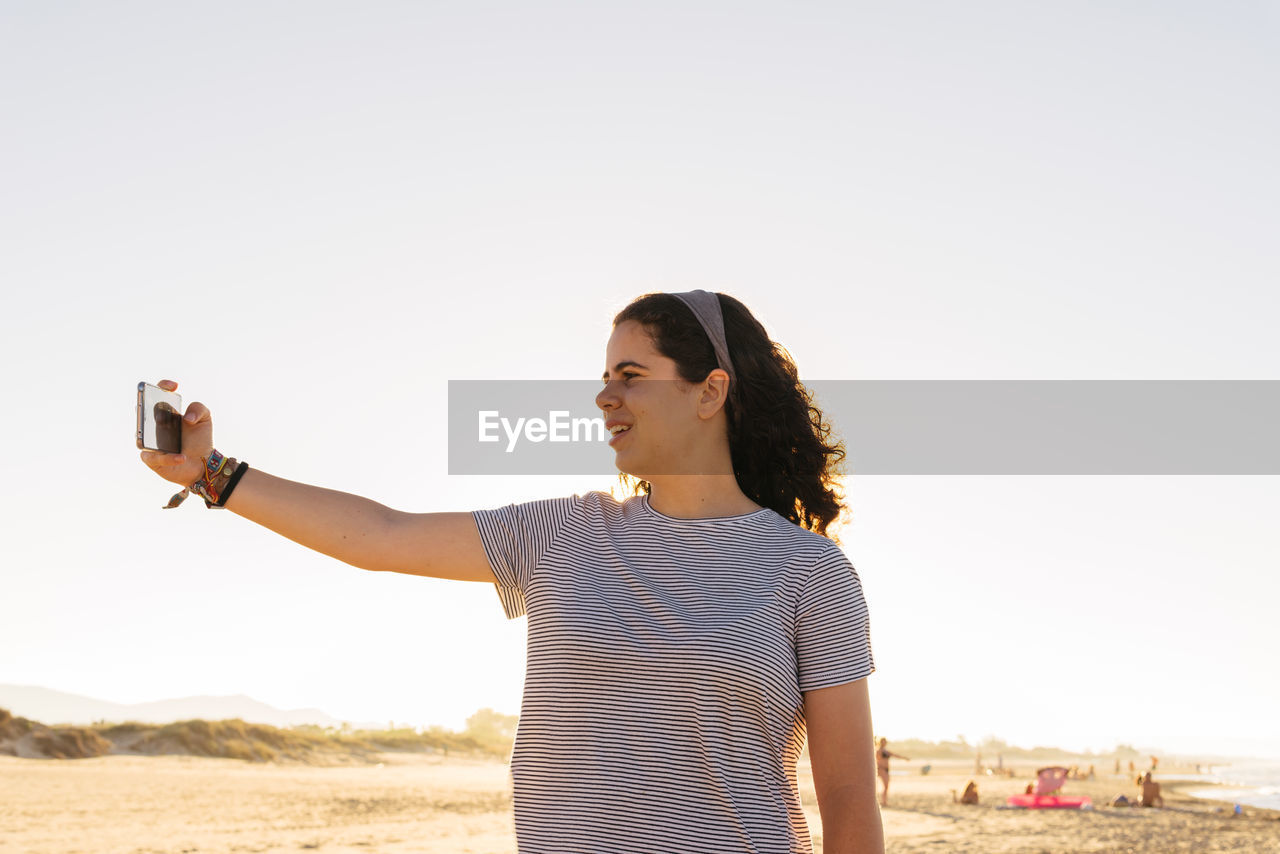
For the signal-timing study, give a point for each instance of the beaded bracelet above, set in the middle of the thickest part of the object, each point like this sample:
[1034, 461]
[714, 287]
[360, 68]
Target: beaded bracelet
[221, 474]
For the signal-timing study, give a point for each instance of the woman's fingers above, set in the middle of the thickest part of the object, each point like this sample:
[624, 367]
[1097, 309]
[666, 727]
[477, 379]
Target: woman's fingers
[156, 459]
[168, 385]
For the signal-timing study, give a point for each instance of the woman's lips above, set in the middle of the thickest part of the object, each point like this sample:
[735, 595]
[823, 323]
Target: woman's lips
[615, 439]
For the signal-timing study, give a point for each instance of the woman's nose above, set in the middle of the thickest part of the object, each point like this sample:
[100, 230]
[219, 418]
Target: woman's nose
[606, 399]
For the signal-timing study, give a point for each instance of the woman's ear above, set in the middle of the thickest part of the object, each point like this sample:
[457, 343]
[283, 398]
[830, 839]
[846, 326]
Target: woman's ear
[715, 393]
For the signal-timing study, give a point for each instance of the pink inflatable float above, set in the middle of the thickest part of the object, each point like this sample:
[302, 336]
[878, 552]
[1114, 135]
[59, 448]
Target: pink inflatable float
[1039, 802]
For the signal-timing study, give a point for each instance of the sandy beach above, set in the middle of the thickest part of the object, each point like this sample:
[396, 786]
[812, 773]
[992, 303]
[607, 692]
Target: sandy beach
[425, 803]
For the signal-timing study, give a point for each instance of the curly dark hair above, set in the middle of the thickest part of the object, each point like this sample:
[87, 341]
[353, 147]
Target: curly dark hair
[779, 444]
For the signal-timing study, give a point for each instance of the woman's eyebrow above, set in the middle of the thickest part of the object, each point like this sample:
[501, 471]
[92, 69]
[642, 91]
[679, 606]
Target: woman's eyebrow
[618, 367]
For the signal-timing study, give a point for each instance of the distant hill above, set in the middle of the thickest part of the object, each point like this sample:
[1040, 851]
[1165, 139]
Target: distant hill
[58, 707]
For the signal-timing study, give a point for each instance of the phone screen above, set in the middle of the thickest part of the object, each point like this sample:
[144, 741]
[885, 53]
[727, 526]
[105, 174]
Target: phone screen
[159, 419]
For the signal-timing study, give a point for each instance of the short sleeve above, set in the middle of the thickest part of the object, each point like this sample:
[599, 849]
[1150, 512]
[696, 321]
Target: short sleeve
[515, 538]
[833, 628]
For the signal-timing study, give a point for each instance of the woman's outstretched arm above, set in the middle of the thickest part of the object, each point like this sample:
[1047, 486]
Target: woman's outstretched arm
[352, 529]
[362, 532]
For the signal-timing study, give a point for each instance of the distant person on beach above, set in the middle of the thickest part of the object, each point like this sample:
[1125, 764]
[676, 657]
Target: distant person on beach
[643, 609]
[883, 755]
[1151, 796]
[1049, 779]
[970, 795]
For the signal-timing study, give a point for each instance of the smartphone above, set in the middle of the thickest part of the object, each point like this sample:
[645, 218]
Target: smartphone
[159, 419]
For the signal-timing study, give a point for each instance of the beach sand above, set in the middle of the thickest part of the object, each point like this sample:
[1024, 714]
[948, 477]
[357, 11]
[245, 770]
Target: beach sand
[427, 803]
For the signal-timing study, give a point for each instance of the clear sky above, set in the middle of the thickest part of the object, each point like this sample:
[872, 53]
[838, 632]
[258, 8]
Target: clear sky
[314, 216]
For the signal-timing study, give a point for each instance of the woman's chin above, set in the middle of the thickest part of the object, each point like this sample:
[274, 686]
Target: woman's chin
[630, 467]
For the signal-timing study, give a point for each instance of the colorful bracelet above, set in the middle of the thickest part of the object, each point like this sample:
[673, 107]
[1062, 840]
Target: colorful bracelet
[221, 474]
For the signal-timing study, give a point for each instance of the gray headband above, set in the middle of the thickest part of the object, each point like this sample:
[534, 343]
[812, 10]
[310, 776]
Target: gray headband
[706, 307]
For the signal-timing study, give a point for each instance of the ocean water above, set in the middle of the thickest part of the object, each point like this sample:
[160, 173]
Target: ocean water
[1261, 779]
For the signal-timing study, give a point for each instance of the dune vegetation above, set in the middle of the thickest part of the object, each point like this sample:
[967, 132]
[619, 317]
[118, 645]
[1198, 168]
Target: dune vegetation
[488, 734]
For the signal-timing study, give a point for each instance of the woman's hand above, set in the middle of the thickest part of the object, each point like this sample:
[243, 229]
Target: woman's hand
[187, 467]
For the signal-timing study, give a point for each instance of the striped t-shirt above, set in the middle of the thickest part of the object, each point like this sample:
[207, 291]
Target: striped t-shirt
[662, 707]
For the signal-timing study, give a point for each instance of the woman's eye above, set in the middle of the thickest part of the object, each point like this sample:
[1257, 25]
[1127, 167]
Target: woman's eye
[629, 374]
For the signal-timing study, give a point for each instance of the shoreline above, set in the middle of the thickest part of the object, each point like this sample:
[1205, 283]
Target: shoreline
[1227, 793]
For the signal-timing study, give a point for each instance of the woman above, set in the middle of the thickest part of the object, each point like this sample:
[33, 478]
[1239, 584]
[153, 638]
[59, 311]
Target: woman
[968, 797]
[883, 755]
[683, 642]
